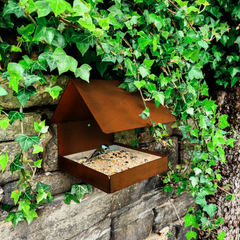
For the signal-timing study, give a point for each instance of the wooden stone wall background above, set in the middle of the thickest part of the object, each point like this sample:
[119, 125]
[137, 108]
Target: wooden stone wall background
[130, 214]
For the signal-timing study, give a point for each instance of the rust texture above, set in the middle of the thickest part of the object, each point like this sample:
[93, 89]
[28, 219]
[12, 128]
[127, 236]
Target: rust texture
[89, 114]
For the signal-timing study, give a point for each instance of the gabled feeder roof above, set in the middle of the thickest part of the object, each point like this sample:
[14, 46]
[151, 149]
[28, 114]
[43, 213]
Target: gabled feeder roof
[113, 108]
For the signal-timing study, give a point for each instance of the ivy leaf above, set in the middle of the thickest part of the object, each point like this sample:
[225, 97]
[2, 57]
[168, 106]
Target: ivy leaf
[190, 220]
[43, 8]
[233, 70]
[4, 123]
[38, 163]
[54, 91]
[104, 23]
[200, 199]
[42, 186]
[41, 195]
[15, 71]
[159, 98]
[27, 194]
[69, 197]
[16, 165]
[194, 181]
[26, 142]
[145, 114]
[13, 115]
[13, 7]
[210, 209]
[83, 72]
[24, 94]
[3, 161]
[37, 149]
[221, 235]
[143, 43]
[30, 216]
[168, 188]
[230, 142]
[3, 92]
[24, 206]
[30, 79]
[15, 195]
[196, 72]
[40, 127]
[191, 234]
[139, 84]
[223, 121]
[59, 6]
[15, 217]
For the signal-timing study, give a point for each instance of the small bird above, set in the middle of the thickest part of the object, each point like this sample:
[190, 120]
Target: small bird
[99, 152]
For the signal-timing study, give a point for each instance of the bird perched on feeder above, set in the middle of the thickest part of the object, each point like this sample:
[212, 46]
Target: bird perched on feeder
[99, 152]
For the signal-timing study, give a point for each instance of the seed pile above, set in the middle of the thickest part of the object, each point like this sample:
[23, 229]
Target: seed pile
[113, 162]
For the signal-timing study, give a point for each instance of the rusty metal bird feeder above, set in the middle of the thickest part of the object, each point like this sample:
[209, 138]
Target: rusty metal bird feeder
[88, 115]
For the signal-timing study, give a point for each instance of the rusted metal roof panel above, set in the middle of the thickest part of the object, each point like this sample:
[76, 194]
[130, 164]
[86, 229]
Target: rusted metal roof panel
[113, 108]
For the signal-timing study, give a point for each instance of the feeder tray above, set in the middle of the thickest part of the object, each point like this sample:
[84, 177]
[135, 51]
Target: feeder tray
[88, 115]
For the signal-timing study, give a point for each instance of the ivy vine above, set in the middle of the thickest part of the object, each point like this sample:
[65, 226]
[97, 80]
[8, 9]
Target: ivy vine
[173, 52]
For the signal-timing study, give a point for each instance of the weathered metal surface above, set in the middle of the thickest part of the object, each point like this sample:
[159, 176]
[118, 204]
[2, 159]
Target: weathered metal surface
[118, 181]
[113, 108]
[89, 114]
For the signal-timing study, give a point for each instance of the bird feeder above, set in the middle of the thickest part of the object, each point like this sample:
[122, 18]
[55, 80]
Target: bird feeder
[88, 115]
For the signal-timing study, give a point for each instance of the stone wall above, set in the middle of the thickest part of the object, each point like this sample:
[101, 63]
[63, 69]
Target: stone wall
[134, 213]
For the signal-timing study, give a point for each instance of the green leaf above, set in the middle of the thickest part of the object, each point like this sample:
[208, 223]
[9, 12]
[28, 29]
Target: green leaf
[210, 209]
[4, 123]
[37, 149]
[196, 72]
[3, 161]
[42, 186]
[200, 199]
[69, 197]
[13, 115]
[38, 163]
[30, 216]
[26, 142]
[15, 195]
[40, 127]
[83, 72]
[233, 70]
[24, 206]
[139, 84]
[194, 180]
[230, 142]
[223, 121]
[104, 23]
[43, 8]
[143, 43]
[79, 190]
[24, 94]
[60, 6]
[191, 234]
[16, 165]
[3, 92]
[15, 217]
[145, 114]
[13, 7]
[159, 98]
[143, 71]
[16, 72]
[30, 79]
[221, 235]
[190, 220]
[41, 195]
[54, 91]
[219, 176]
[168, 188]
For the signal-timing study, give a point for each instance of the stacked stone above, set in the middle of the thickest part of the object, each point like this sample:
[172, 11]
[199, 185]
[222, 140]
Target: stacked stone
[130, 214]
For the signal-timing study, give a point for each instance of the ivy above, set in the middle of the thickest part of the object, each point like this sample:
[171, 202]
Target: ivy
[159, 48]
